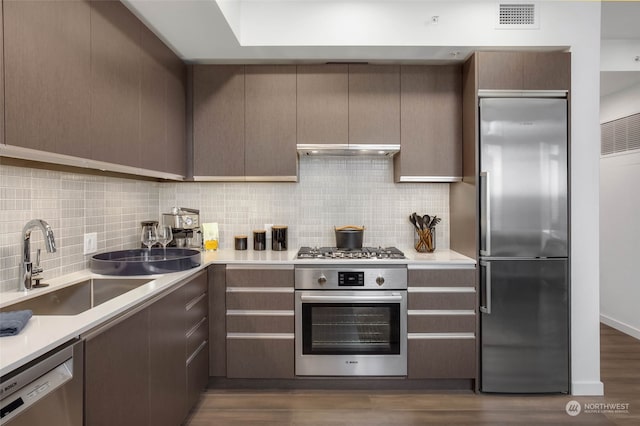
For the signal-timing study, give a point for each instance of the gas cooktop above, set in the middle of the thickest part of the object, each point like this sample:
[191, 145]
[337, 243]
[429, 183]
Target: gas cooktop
[363, 253]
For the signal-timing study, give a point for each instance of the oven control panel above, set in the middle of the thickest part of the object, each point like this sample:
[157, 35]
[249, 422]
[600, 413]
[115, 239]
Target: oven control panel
[344, 277]
[350, 279]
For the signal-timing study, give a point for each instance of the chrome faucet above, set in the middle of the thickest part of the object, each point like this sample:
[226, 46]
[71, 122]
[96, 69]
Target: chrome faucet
[26, 267]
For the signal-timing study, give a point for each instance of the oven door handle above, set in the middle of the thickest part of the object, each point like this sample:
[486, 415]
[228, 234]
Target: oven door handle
[390, 298]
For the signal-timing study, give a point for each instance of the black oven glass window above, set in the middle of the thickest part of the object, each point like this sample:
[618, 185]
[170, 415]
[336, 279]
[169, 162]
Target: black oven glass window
[351, 329]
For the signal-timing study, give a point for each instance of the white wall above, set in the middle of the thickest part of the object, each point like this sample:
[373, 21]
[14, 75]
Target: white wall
[619, 226]
[619, 237]
[620, 104]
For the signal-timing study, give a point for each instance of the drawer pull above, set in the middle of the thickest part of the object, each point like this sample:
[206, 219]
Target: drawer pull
[195, 327]
[195, 301]
[253, 336]
[425, 336]
[196, 352]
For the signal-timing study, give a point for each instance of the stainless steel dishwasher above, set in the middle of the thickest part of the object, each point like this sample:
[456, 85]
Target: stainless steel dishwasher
[46, 391]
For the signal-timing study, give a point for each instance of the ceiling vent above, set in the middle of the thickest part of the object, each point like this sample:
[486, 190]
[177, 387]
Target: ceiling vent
[518, 16]
[619, 136]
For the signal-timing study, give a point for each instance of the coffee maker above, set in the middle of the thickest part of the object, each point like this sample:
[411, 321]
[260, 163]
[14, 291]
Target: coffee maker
[185, 225]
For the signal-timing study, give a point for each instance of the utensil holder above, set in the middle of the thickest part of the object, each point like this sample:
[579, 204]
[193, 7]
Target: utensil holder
[425, 240]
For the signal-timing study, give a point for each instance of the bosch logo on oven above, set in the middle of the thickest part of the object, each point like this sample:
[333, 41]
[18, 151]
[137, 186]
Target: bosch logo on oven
[351, 362]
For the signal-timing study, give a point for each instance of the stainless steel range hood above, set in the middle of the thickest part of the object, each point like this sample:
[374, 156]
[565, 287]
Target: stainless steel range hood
[348, 150]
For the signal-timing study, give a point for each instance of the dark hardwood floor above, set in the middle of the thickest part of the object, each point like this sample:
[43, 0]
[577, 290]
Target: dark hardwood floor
[620, 373]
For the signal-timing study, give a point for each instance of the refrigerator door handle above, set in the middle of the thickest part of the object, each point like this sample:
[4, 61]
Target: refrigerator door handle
[485, 215]
[486, 291]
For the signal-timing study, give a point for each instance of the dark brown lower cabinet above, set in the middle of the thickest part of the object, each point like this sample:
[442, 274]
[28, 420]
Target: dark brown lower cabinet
[117, 373]
[197, 375]
[260, 358]
[168, 406]
[441, 358]
[442, 324]
[197, 337]
[149, 366]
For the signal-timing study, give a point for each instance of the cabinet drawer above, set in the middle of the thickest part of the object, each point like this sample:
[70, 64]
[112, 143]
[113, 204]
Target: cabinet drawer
[441, 301]
[196, 287]
[197, 375]
[197, 336]
[441, 358]
[239, 323]
[441, 277]
[256, 357]
[260, 300]
[196, 311]
[436, 323]
[262, 277]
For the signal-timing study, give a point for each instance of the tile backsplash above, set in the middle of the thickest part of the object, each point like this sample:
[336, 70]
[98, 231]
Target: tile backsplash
[332, 191]
[73, 204]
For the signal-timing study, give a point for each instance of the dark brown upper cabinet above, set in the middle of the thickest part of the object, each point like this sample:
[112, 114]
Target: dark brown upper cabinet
[218, 121]
[323, 104]
[374, 104]
[270, 122]
[88, 80]
[524, 70]
[47, 67]
[115, 84]
[431, 124]
[244, 122]
[176, 84]
[1, 77]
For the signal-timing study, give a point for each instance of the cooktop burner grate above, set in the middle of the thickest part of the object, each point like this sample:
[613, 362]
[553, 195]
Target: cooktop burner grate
[363, 253]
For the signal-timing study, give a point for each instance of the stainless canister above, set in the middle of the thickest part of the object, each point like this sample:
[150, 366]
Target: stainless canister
[279, 238]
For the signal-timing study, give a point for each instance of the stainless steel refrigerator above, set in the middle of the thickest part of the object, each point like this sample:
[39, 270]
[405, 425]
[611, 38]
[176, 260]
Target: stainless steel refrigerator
[524, 272]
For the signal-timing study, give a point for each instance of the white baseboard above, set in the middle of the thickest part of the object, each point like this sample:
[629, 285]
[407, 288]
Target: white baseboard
[587, 388]
[620, 326]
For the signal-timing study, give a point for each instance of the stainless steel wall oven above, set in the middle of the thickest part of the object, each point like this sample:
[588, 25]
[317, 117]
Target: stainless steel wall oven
[351, 321]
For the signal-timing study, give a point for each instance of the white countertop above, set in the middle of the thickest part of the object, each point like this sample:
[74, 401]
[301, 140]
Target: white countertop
[43, 333]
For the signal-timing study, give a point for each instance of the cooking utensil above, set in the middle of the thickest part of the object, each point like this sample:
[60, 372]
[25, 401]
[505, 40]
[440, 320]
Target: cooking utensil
[412, 219]
[426, 219]
[349, 237]
[436, 220]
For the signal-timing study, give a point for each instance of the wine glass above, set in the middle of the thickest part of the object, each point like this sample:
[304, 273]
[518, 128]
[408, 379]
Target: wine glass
[164, 236]
[149, 236]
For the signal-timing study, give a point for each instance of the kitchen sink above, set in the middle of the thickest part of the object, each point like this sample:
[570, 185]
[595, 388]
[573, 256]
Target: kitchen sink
[145, 261]
[79, 297]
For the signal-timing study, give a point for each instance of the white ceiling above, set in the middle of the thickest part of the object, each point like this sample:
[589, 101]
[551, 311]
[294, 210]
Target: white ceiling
[208, 31]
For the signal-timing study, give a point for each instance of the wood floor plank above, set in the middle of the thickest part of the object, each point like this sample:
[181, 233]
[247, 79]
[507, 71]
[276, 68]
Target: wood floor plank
[620, 372]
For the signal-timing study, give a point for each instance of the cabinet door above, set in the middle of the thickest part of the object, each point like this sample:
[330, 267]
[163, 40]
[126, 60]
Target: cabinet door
[500, 70]
[2, 126]
[153, 103]
[441, 358]
[323, 104]
[218, 120]
[117, 373]
[176, 148]
[270, 127]
[374, 104]
[115, 83]
[524, 70]
[217, 321]
[167, 371]
[431, 124]
[260, 357]
[47, 75]
[547, 71]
